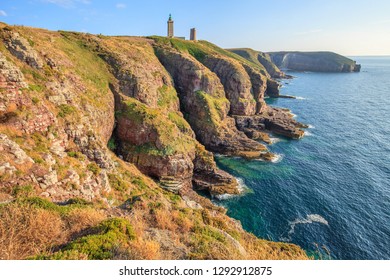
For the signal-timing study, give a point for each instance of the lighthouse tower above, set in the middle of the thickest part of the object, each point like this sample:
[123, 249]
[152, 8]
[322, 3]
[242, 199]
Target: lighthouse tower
[170, 26]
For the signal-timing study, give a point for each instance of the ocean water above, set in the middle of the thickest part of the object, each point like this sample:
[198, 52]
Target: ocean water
[330, 191]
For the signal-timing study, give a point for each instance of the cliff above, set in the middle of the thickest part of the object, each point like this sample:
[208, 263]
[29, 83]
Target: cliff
[104, 141]
[262, 60]
[314, 61]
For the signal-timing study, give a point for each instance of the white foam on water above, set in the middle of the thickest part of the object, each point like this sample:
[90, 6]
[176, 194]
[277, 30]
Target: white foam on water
[242, 188]
[308, 133]
[300, 98]
[275, 140]
[311, 218]
[293, 115]
[277, 158]
[311, 126]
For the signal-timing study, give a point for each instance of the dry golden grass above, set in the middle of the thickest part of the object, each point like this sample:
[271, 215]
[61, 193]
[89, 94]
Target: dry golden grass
[164, 220]
[25, 231]
[82, 219]
[144, 250]
[4, 197]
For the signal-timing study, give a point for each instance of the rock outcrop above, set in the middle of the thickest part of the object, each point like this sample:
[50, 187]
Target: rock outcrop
[261, 59]
[205, 106]
[236, 84]
[314, 61]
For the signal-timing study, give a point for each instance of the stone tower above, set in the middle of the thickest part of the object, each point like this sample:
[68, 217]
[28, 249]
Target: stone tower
[193, 34]
[170, 27]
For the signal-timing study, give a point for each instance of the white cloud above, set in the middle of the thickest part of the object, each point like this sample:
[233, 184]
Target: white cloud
[120, 6]
[2, 13]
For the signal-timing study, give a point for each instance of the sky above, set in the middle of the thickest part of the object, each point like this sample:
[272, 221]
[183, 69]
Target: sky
[348, 27]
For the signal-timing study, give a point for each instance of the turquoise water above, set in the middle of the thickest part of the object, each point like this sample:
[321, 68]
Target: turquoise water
[330, 192]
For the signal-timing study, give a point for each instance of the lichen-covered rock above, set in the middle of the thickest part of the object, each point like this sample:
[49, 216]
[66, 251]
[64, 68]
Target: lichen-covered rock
[259, 86]
[21, 48]
[261, 59]
[236, 83]
[9, 147]
[138, 70]
[153, 143]
[205, 106]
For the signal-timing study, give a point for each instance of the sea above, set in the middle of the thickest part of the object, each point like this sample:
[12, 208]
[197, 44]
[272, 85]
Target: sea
[329, 192]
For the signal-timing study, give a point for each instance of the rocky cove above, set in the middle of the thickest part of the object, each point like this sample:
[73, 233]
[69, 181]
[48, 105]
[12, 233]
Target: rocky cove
[129, 125]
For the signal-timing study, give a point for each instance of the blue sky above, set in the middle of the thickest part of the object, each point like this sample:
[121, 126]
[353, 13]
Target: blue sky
[349, 27]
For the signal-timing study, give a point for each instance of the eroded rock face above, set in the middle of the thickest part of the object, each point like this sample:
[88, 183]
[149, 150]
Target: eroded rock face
[204, 104]
[259, 87]
[271, 68]
[276, 120]
[13, 101]
[22, 49]
[153, 143]
[138, 70]
[236, 83]
[207, 176]
[272, 88]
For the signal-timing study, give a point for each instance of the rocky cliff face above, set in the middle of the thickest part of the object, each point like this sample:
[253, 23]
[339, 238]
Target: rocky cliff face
[88, 121]
[261, 59]
[314, 61]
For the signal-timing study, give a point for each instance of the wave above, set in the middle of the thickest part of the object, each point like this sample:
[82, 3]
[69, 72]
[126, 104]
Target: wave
[310, 126]
[308, 133]
[242, 188]
[300, 98]
[275, 140]
[311, 218]
[277, 158]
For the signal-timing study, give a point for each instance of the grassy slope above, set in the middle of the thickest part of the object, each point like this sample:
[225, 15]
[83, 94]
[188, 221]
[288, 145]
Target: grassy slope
[202, 48]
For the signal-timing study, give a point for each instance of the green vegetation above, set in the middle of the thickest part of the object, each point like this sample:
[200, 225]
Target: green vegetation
[94, 168]
[75, 154]
[118, 183]
[35, 100]
[170, 139]
[213, 107]
[255, 58]
[180, 122]
[109, 236]
[88, 66]
[167, 97]
[22, 191]
[37, 88]
[111, 144]
[41, 203]
[65, 110]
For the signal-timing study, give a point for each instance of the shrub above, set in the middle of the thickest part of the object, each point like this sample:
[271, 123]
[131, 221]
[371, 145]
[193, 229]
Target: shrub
[65, 110]
[110, 235]
[94, 168]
